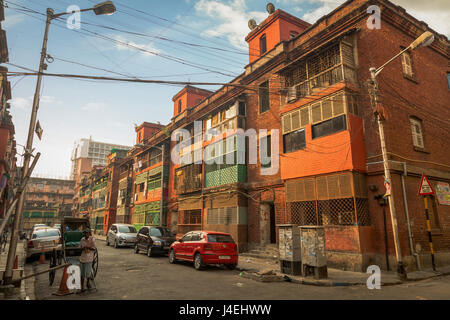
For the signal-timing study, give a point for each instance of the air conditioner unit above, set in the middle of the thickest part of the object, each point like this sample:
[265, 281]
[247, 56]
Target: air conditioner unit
[291, 94]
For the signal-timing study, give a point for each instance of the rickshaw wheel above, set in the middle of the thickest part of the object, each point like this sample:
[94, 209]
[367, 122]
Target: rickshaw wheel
[95, 263]
[51, 274]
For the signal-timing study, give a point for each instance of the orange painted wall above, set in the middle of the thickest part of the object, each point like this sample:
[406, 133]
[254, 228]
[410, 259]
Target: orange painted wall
[188, 100]
[340, 151]
[276, 31]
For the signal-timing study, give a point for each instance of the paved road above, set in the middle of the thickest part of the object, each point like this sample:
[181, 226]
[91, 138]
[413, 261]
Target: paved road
[122, 274]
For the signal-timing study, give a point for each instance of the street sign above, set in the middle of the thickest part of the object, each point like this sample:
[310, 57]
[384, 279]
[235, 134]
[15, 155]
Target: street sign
[425, 187]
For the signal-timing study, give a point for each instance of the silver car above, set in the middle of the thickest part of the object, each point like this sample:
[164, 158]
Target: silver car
[121, 235]
[44, 240]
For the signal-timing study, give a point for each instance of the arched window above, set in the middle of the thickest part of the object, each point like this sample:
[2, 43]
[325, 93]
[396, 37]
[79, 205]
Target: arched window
[416, 132]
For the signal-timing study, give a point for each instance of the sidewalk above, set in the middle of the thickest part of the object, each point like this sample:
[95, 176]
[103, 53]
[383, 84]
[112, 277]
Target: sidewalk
[268, 270]
[14, 293]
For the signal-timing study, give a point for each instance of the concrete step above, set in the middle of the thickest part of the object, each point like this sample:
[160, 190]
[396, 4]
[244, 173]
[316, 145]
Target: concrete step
[259, 255]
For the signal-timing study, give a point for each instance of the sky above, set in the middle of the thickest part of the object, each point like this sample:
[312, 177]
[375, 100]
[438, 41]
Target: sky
[164, 50]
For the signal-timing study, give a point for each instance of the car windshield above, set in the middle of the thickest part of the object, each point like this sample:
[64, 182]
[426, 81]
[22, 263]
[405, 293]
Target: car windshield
[223, 238]
[127, 229]
[160, 232]
[46, 233]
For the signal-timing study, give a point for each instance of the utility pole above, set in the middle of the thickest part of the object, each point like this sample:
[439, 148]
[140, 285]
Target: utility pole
[104, 8]
[424, 40]
[26, 160]
[374, 91]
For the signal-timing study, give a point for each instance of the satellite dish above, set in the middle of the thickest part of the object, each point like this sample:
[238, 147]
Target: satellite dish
[252, 24]
[270, 8]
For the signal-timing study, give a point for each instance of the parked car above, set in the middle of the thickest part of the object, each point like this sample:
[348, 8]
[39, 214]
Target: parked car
[57, 226]
[154, 240]
[39, 225]
[205, 247]
[46, 239]
[121, 235]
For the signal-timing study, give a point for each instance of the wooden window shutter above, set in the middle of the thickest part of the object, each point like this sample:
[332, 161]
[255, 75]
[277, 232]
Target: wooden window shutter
[295, 116]
[304, 116]
[322, 188]
[406, 64]
[300, 190]
[316, 113]
[327, 112]
[345, 185]
[338, 105]
[287, 126]
[310, 187]
[290, 191]
[333, 187]
[416, 131]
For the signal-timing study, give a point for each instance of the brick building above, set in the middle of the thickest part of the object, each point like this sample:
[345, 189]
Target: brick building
[305, 91]
[47, 201]
[7, 130]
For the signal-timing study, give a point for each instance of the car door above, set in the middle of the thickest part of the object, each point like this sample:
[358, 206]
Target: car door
[111, 234]
[180, 252]
[143, 238]
[191, 245]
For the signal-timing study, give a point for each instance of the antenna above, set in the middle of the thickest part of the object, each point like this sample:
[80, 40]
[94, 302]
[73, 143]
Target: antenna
[270, 8]
[252, 24]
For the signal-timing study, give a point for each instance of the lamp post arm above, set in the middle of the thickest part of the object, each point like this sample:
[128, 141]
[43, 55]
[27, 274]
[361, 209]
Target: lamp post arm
[377, 71]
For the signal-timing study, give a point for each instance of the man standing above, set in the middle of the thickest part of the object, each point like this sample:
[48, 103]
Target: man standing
[87, 256]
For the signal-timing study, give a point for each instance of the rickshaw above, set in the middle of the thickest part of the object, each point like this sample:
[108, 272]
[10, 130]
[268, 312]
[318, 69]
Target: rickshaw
[71, 234]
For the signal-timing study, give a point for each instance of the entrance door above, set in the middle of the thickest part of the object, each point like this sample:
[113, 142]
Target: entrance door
[273, 233]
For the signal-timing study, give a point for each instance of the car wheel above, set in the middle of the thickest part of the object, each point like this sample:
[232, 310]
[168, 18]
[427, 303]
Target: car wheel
[172, 258]
[230, 266]
[136, 249]
[116, 245]
[198, 262]
[150, 252]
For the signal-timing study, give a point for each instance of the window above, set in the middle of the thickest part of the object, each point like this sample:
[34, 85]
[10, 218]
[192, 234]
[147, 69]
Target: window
[262, 44]
[329, 127]
[264, 102]
[197, 237]
[448, 79]
[179, 106]
[187, 237]
[416, 131]
[294, 141]
[221, 238]
[293, 34]
[407, 64]
[126, 229]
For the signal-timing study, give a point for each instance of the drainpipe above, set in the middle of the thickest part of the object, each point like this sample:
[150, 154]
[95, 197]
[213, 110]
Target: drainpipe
[405, 202]
[161, 203]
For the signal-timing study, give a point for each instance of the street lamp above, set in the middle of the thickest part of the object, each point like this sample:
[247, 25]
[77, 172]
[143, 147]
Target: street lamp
[161, 203]
[424, 40]
[104, 8]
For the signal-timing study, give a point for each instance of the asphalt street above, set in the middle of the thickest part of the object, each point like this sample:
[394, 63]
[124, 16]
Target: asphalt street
[122, 274]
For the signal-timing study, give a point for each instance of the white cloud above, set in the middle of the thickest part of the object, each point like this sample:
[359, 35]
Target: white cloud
[12, 20]
[131, 45]
[26, 103]
[229, 19]
[20, 103]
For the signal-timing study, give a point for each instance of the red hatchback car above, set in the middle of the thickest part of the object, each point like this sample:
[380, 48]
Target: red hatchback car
[205, 247]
